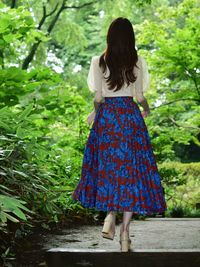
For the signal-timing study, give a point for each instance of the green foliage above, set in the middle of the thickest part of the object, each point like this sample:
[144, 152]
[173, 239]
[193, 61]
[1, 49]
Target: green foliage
[27, 144]
[180, 211]
[181, 183]
[11, 205]
[170, 42]
[17, 30]
[16, 83]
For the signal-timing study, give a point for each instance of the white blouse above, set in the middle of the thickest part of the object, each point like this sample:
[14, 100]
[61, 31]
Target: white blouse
[97, 83]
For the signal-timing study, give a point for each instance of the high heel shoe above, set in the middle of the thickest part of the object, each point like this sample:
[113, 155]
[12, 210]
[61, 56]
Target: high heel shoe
[107, 231]
[125, 241]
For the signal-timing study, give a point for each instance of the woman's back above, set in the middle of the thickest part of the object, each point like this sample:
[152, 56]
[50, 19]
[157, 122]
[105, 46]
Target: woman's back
[97, 80]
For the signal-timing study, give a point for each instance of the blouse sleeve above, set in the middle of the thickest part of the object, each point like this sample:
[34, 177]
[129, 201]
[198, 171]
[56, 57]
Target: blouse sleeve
[143, 79]
[94, 79]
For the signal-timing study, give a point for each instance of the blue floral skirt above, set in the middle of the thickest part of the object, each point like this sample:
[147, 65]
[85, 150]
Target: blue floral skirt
[119, 171]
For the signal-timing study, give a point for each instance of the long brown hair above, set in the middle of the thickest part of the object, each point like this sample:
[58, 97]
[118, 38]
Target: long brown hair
[120, 55]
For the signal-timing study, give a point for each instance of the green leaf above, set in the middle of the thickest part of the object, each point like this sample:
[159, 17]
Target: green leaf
[4, 24]
[26, 112]
[20, 132]
[23, 174]
[8, 38]
[19, 213]
[11, 205]
[5, 126]
[10, 217]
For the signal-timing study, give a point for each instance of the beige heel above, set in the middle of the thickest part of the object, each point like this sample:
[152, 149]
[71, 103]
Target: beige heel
[107, 231]
[125, 241]
[106, 226]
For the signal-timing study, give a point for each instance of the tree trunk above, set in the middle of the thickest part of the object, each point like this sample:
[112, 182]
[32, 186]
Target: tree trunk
[30, 56]
[13, 3]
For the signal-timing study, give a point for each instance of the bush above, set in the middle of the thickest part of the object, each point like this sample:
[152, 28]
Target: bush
[182, 185]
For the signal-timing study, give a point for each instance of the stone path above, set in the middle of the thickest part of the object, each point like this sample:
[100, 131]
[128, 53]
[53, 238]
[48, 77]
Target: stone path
[152, 233]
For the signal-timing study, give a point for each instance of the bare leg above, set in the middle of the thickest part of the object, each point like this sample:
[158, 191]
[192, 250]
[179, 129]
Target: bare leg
[113, 214]
[125, 240]
[127, 215]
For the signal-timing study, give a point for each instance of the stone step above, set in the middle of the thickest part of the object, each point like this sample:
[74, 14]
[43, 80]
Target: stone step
[65, 257]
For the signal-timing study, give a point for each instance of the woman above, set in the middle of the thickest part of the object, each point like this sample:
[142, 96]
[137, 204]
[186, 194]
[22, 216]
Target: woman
[119, 171]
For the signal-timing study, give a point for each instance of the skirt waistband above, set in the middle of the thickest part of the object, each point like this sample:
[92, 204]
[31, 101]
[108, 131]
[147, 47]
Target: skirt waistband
[119, 100]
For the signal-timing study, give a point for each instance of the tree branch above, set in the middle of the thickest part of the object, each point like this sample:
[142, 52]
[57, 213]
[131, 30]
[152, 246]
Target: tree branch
[183, 126]
[192, 76]
[45, 15]
[55, 19]
[52, 24]
[34, 47]
[2, 58]
[81, 6]
[53, 11]
[176, 100]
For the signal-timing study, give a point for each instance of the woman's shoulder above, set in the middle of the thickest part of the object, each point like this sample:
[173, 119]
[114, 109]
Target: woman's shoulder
[95, 58]
[141, 59]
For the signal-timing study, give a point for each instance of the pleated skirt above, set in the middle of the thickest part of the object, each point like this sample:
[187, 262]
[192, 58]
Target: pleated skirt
[119, 171]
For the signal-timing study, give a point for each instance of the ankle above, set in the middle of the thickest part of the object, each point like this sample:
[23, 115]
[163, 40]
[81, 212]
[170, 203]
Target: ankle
[113, 213]
[124, 228]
